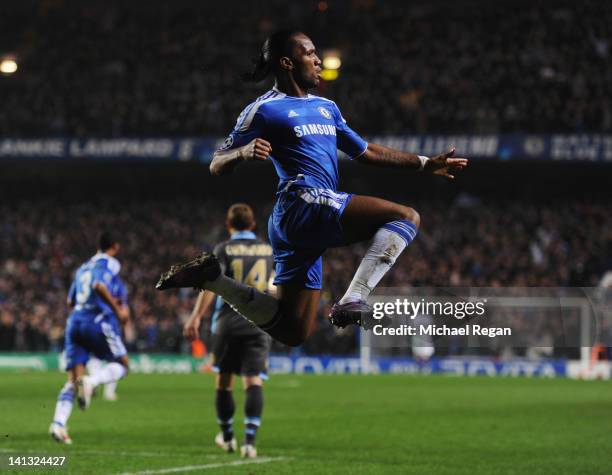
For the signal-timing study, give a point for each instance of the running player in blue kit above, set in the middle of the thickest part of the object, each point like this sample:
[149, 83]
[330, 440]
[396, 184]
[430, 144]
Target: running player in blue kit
[301, 133]
[92, 328]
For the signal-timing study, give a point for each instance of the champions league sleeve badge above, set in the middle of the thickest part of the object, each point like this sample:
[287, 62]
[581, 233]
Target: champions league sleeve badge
[227, 143]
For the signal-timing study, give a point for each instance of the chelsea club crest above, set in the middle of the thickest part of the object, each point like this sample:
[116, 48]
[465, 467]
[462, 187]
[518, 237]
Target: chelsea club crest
[324, 112]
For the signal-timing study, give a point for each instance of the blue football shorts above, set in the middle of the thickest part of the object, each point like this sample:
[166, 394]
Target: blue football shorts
[88, 333]
[304, 223]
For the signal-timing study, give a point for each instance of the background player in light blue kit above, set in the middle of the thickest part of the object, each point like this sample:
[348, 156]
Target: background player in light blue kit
[239, 346]
[93, 328]
[301, 134]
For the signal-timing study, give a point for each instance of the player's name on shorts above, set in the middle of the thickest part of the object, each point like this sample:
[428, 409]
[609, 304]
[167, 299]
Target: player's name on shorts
[314, 129]
[248, 250]
[442, 330]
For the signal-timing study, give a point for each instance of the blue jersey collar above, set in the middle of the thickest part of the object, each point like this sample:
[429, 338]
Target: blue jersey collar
[243, 235]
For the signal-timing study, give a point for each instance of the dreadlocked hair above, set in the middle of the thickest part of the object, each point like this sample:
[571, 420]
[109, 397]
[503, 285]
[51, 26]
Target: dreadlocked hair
[276, 46]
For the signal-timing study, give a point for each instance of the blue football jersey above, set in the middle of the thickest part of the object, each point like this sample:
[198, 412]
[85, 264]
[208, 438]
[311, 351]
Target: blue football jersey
[100, 268]
[119, 290]
[305, 134]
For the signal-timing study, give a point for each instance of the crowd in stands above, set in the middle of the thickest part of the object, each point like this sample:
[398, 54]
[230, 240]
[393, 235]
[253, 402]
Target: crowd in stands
[471, 242]
[153, 68]
[100, 69]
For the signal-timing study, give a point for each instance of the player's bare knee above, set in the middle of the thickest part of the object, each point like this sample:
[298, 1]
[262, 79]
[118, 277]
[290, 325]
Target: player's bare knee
[411, 214]
[76, 372]
[249, 381]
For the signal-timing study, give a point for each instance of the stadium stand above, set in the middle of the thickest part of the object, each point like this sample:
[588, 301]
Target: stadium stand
[468, 242]
[147, 68]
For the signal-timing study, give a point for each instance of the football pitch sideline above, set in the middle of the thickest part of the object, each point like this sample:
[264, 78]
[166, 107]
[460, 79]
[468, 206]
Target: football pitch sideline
[322, 425]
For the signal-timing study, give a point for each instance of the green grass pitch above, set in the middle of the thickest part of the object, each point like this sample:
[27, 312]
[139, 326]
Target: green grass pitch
[325, 424]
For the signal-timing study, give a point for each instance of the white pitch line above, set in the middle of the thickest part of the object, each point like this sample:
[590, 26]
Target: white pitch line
[189, 468]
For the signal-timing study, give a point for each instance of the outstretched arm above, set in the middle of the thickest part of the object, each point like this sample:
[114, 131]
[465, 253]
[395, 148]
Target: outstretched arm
[224, 161]
[442, 164]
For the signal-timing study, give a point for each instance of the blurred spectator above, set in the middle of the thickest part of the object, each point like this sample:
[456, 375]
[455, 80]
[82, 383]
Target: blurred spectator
[488, 244]
[154, 68]
[151, 69]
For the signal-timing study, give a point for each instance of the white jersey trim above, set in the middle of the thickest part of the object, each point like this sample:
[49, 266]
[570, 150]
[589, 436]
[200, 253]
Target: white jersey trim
[113, 264]
[246, 123]
[362, 152]
[312, 96]
[308, 96]
[322, 196]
